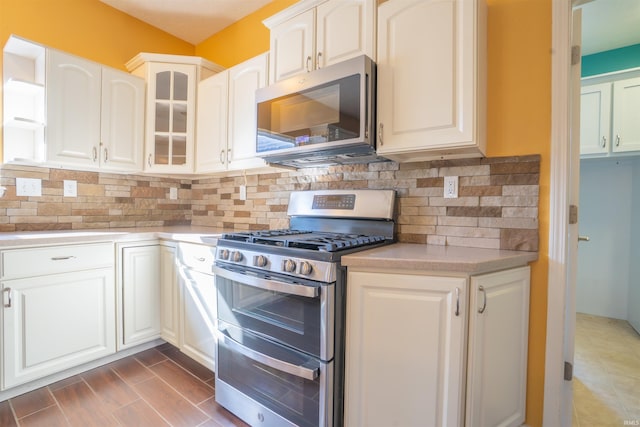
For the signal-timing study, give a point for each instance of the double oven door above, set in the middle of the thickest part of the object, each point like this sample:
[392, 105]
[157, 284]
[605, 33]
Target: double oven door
[275, 348]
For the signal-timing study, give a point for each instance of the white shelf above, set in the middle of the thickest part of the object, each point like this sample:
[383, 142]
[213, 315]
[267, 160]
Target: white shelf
[23, 123]
[24, 87]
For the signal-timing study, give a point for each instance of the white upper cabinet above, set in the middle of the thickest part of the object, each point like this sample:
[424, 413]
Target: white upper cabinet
[431, 79]
[610, 116]
[626, 115]
[595, 119]
[316, 33]
[94, 114]
[227, 117]
[172, 82]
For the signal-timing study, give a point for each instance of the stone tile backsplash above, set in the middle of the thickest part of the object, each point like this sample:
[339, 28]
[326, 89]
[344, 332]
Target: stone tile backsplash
[497, 205]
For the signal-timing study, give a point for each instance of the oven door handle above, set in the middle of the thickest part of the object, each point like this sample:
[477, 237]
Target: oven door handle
[289, 368]
[271, 285]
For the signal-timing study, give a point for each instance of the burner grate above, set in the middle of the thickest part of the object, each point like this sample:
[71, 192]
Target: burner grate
[308, 240]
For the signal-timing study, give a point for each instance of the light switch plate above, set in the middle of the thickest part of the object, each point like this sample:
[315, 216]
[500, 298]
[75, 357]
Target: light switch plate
[70, 188]
[28, 187]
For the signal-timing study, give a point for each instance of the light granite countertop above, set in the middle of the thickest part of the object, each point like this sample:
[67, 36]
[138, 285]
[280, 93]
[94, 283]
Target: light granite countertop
[190, 234]
[433, 258]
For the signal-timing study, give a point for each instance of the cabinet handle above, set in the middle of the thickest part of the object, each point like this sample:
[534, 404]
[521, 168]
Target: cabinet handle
[62, 258]
[318, 58]
[228, 156]
[94, 151]
[484, 299]
[149, 160]
[106, 155]
[604, 141]
[8, 291]
[199, 259]
[583, 238]
[380, 128]
[617, 140]
[308, 63]
[222, 156]
[457, 302]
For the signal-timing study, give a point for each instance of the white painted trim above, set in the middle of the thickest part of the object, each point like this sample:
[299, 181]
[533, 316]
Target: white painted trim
[558, 210]
[291, 12]
[144, 57]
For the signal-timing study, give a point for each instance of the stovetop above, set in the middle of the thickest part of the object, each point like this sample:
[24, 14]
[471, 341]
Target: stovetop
[302, 239]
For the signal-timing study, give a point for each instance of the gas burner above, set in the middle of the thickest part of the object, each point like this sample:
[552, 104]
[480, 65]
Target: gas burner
[309, 240]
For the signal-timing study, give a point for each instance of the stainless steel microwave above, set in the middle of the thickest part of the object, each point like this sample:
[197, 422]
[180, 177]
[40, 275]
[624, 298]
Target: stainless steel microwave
[323, 117]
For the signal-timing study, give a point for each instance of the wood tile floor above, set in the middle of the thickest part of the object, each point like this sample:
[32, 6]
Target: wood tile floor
[606, 384]
[158, 387]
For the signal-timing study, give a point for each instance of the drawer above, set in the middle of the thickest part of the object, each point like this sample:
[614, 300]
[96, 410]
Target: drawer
[31, 262]
[198, 257]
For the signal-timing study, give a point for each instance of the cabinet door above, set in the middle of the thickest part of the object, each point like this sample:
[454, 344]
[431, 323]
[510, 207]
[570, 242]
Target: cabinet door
[344, 30]
[595, 119]
[405, 350]
[198, 316]
[73, 110]
[122, 142]
[498, 337]
[170, 296]
[170, 117]
[56, 322]
[626, 115]
[428, 77]
[211, 137]
[292, 45]
[244, 80]
[140, 294]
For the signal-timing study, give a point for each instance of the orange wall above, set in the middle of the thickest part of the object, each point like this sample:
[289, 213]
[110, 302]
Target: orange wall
[242, 40]
[519, 122]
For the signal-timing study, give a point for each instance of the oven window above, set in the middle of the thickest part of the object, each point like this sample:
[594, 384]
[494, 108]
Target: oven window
[289, 319]
[295, 398]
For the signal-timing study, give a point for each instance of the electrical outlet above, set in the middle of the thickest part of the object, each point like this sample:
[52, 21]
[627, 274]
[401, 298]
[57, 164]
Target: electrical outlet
[243, 192]
[28, 187]
[173, 193]
[450, 187]
[70, 188]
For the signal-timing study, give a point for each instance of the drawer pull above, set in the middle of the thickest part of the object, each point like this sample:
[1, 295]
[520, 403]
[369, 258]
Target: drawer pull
[62, 258]
[8, 291]
[199, 259]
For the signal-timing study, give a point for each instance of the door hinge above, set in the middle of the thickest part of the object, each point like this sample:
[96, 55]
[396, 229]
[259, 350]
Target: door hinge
[568, 371]
[576, 52]
[573, 214]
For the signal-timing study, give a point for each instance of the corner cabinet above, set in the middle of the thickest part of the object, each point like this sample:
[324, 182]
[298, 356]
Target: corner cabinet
[431, 79]
[418, 364]
[95, 115]
[172, 81]
[609, 119]
[226, 134]
[317, 33]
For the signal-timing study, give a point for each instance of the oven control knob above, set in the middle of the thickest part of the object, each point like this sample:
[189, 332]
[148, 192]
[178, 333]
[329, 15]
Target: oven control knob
[289, 265]
[236, 256]
[305, 268]
[260, 261]
[224, 254]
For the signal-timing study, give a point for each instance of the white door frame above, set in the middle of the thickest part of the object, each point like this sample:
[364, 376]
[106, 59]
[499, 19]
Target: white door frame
[559, 187]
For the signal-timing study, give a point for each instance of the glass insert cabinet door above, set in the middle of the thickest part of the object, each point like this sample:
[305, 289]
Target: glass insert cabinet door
[173, 89]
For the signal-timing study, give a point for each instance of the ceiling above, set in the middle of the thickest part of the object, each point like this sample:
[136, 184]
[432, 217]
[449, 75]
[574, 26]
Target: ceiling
[606, 24]
[190, 20]
[609, 24]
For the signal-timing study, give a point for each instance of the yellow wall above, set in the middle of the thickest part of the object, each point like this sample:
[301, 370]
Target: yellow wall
[519, 122]
[519, 88]
[242, 40]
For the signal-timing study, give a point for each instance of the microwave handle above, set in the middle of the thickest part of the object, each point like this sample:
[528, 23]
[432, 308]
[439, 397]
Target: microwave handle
[270, 285]
[289, 368]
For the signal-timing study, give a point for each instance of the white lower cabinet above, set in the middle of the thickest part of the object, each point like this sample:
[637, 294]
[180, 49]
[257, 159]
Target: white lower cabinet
[60, 318]
[198, 310]
[170, 295]
[139, 292]
[411, 361]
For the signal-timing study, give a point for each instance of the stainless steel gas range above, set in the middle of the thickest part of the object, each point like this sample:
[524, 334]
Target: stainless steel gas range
[281, 307]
